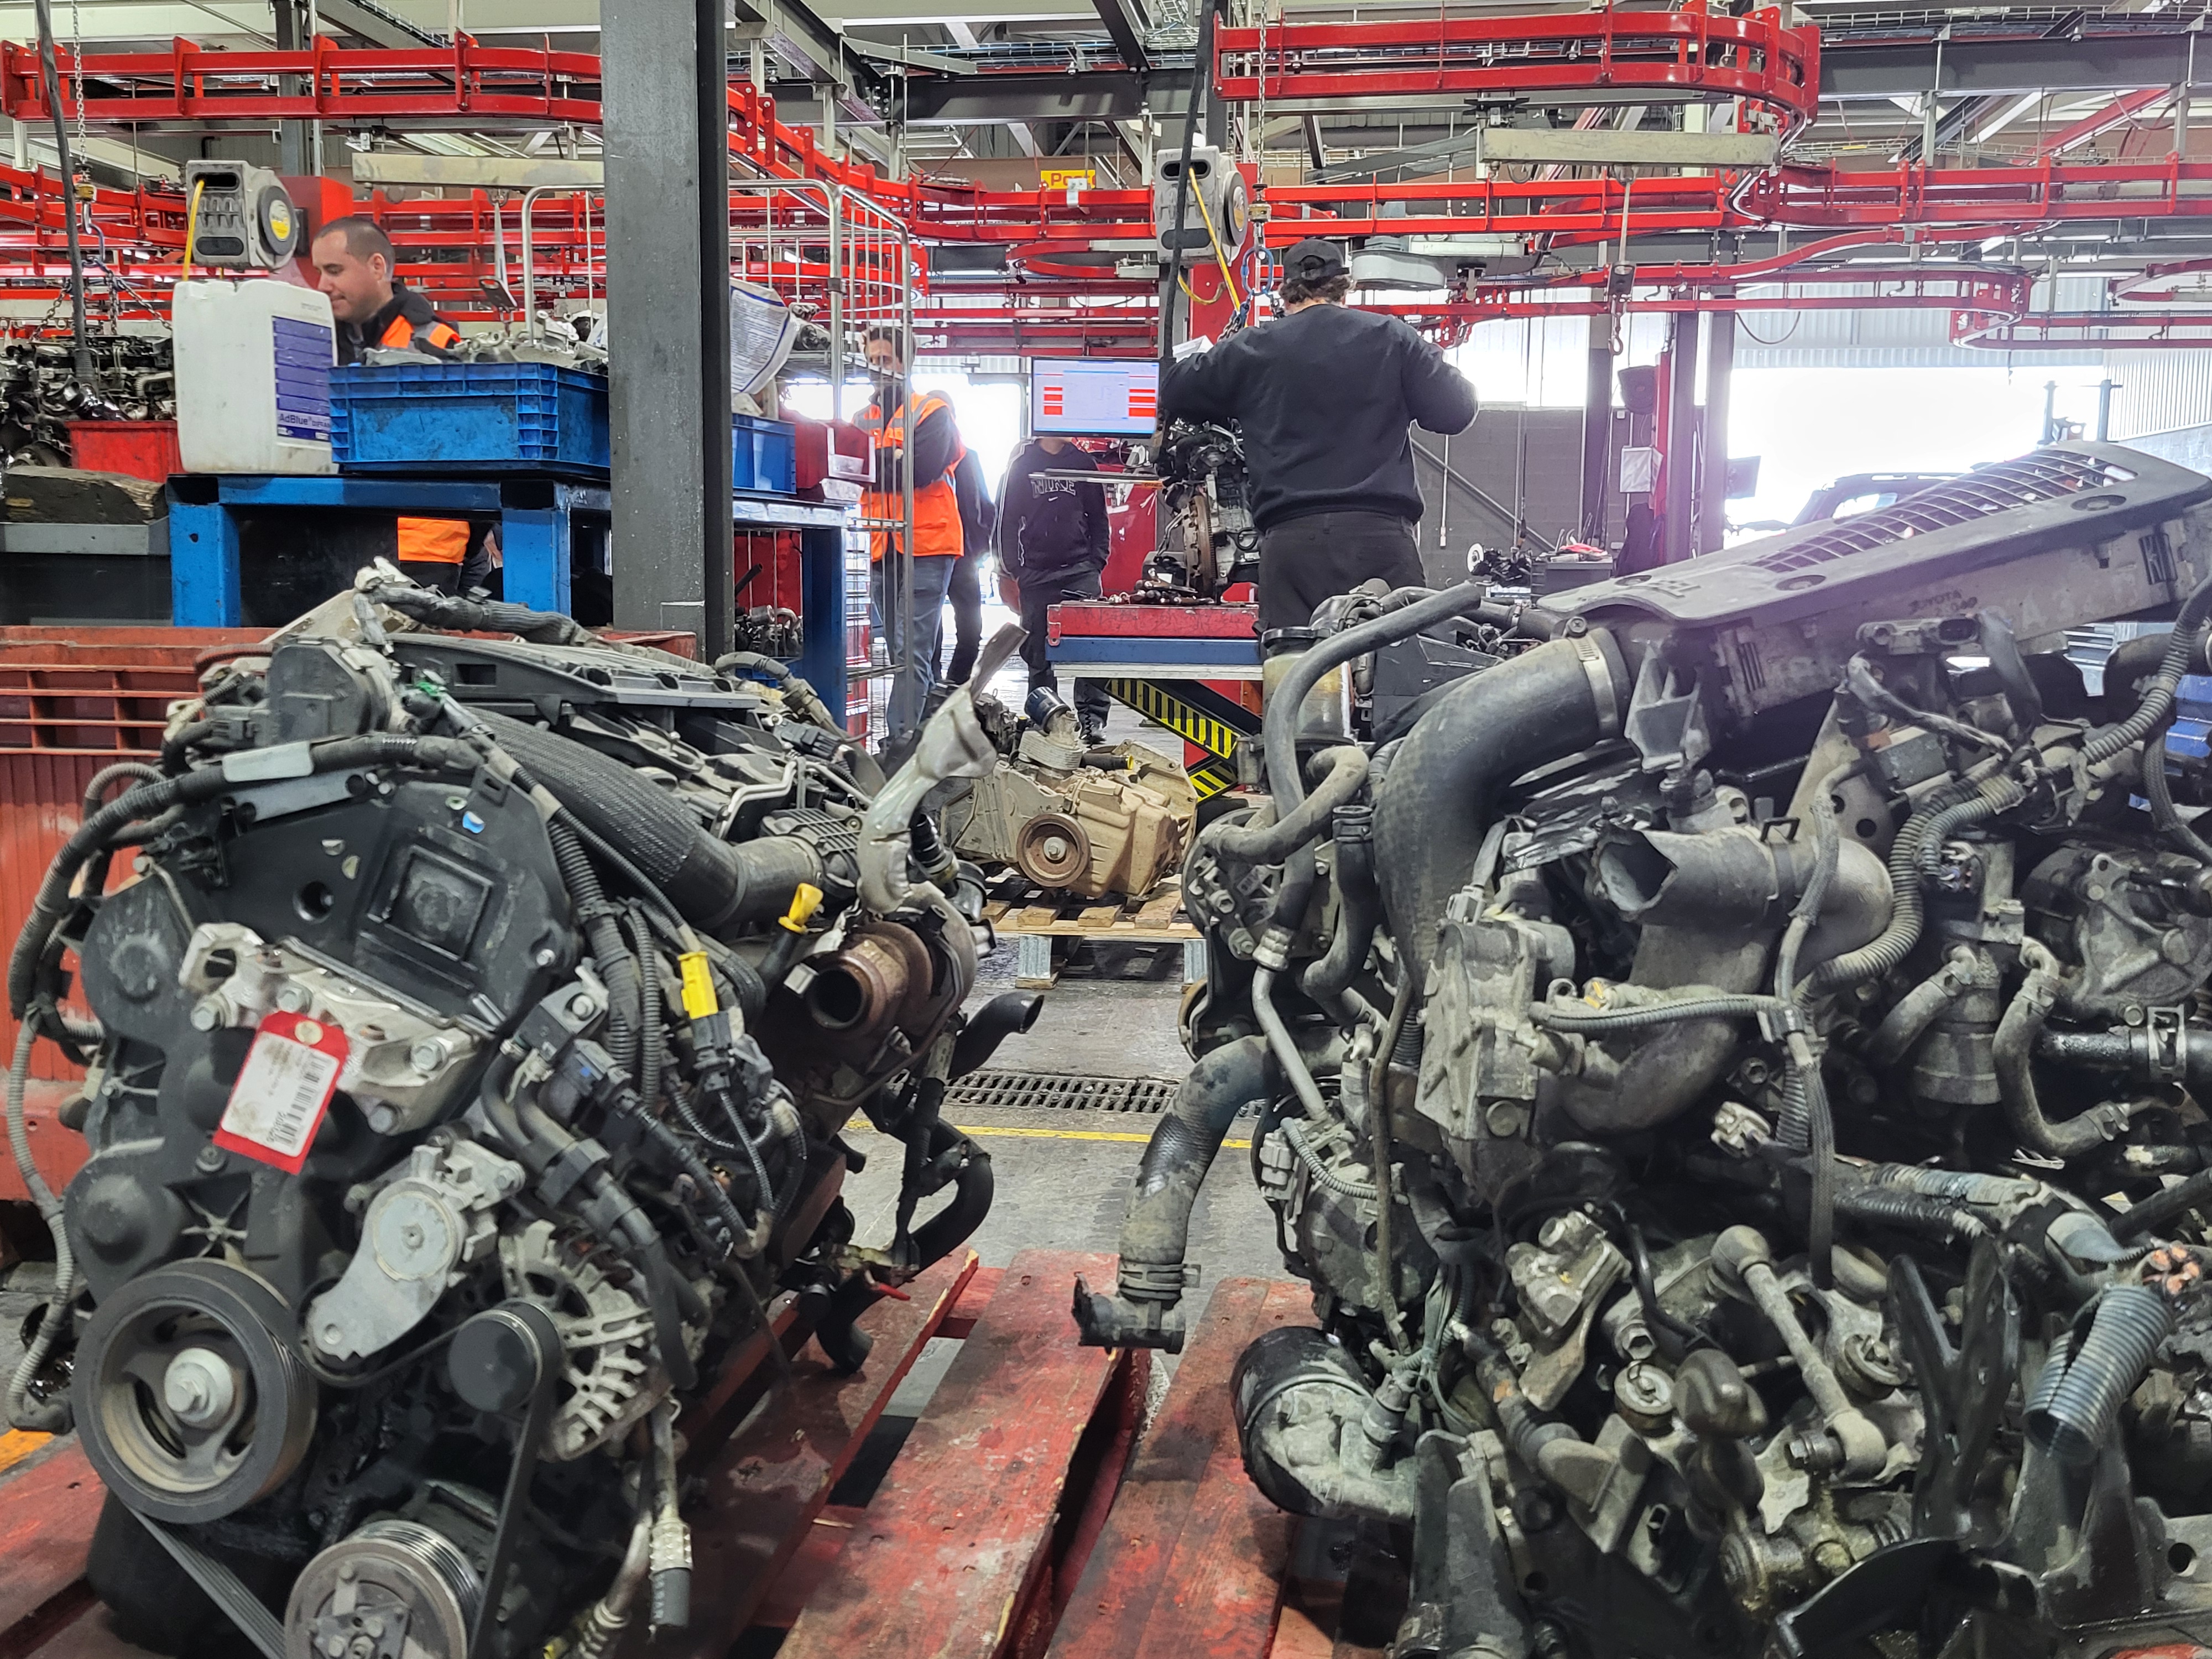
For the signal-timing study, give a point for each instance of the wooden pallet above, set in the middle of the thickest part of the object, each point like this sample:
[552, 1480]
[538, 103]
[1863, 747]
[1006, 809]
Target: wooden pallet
[1028, 1512]
[1040, 921]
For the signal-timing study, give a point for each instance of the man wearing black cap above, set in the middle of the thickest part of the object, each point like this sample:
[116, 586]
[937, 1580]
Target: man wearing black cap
[1325, 396]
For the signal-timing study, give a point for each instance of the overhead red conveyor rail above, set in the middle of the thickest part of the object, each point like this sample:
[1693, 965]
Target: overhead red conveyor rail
[1052, 298]
[1690, 53]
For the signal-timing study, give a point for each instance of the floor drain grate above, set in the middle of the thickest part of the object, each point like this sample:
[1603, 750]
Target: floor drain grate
[1028, 1090]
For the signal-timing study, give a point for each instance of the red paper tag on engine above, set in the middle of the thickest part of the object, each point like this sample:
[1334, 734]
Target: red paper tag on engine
[284, 1090]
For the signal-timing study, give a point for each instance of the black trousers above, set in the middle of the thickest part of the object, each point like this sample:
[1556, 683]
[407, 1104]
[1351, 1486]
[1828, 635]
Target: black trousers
[966, 592]
[1304, 560]
[1038, 595]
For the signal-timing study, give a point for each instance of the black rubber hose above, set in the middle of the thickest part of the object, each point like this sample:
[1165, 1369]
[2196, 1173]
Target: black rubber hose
[797, 692]
[1156, 1230]
[597, 918]
[1907, 1211]
[2013, 1054]
[711, 1191]
[1343, 770]
[1360, 906]
[1004, 1015]
[2158, 790]
[2158, 700]
[973, 1188]
[608, 1210]
[652, 1005]
[2162, 1209]
[174, 761]
[711, 881]
[1908, 906]
[2072, 1412]
[1434, 807]
[1280, 725]
[1992, 796]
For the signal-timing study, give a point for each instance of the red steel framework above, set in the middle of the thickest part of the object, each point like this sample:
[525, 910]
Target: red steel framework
[1691, 53]
[1062, 295]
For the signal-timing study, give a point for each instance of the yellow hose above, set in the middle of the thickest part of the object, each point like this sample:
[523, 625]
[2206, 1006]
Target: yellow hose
[192, 223]
[1220, 258]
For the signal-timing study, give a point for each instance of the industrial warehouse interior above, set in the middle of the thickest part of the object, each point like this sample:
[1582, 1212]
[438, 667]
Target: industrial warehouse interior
[1105, 829]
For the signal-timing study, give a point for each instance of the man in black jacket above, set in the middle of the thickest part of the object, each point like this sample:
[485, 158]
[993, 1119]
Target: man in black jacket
[1052, 541]
[1325, 396]
[978, 513]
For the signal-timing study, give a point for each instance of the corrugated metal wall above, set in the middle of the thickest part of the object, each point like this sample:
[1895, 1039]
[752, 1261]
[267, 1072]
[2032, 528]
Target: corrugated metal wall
[2160, 390]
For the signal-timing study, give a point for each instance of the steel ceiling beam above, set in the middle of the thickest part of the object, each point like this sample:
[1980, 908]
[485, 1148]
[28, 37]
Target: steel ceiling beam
[365, 21]
[2115, 62]
[1127, 24]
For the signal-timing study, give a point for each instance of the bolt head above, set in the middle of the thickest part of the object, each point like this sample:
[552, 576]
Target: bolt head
[293, 999]
[545, 957]
[209, 1158]
[427, 1055]
[582, 1006]
[207, 1014]
[199, 1387]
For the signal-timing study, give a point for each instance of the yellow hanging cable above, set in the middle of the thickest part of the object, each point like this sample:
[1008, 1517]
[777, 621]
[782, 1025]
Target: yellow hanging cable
[1220, 258]
[191, 222]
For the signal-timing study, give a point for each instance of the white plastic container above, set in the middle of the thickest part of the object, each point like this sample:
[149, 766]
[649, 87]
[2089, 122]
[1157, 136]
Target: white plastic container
[253, 377]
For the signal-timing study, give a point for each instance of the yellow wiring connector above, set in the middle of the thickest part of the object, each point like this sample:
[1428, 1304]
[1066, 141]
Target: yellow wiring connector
[699, 999]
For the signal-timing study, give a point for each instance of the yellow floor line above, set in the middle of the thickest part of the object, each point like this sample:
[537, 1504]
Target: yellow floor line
[17, 1444]
[983, 1134]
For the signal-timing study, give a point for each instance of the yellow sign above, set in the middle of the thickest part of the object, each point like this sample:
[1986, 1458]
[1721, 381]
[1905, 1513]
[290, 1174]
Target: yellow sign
[1063, 178]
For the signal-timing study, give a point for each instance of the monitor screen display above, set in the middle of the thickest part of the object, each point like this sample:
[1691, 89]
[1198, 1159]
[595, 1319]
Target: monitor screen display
[1082, 396]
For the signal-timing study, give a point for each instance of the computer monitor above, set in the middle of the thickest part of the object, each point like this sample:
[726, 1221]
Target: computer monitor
[1104, 397]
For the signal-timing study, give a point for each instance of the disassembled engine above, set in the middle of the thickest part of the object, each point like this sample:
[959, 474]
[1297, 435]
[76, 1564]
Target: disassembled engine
[1725, 1064]
[134, 378]
[1072, 817]
[470, 1058]
[1203, 528]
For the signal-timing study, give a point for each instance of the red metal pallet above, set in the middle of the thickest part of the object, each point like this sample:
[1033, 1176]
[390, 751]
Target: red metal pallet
[1023, 1517]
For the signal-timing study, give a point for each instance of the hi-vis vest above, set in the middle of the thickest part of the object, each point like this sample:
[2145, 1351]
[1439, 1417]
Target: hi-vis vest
[399, 334]
[433, 541]
[937, 533]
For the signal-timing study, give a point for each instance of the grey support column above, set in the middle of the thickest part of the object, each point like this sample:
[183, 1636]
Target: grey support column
[1712, 465]
[666, 91]
[1681, 417]
[1597, 427]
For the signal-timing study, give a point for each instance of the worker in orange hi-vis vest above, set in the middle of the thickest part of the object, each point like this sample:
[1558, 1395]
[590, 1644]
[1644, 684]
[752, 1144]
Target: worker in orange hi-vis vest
[354, 264]
[920, 431]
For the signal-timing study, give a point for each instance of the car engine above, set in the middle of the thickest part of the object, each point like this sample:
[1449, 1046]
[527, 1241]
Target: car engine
[1207, 540]
[474, 1021]
[1071, 816]
[1722, 1054]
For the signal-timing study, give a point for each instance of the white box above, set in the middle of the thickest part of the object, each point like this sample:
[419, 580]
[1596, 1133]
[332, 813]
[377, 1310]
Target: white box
[253, 377]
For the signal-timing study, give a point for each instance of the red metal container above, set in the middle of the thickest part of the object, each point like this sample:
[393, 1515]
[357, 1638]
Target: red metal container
[141, 449]
[833, 449]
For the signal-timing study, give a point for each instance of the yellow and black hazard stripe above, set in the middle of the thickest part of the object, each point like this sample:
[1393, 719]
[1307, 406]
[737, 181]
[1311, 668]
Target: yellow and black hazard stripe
[1210, 777]
[1194, 712]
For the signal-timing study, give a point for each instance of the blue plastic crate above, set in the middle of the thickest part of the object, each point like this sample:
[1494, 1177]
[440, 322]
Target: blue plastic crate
[469, 415]
[765, 455]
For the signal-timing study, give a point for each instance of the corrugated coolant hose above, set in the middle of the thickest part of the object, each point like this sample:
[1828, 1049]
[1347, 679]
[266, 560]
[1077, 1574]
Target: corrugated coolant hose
[711, 881]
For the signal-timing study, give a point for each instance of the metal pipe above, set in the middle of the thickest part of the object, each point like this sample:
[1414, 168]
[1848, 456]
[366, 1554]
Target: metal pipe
[529, 270]
[1597, 425]
[51, 77]
[911, 700]
[1681, 434]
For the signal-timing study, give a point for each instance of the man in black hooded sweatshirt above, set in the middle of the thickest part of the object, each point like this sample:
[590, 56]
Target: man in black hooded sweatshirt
[1325, 397]
[1052, 542]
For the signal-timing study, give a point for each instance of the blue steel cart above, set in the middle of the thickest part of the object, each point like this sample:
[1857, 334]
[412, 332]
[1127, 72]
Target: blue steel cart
[538, 518]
